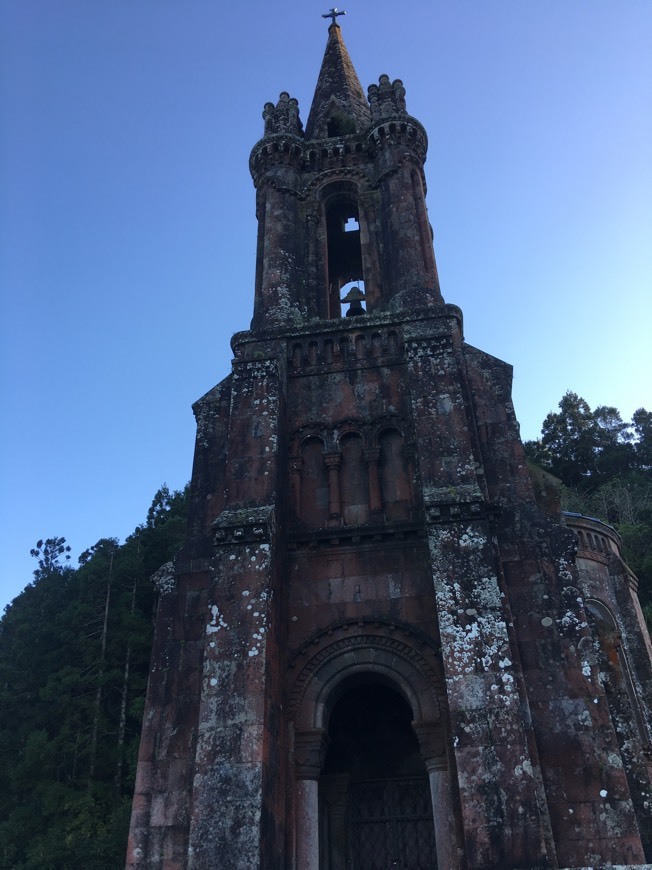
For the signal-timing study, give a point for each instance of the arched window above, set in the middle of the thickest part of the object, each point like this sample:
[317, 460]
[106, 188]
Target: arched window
[314, 484]
[354, 484]
[394, 478]
[360, 346]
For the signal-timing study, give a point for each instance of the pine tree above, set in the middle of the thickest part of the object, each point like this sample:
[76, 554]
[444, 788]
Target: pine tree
[605, 465]
[74, 661]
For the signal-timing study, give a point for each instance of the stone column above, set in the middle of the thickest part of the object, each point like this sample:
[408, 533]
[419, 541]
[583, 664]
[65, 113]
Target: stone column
[433, 752]
[296, 465]
[280, 262]
[334, 806]
[307, 795]
[369, 248]
[317, 304]
[408, 274]
[372, 457]
[333, 462]
[410, 455]
[309, 752]
[443, 813]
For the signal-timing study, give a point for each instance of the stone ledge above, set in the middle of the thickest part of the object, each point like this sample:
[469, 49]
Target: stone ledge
[420, 322]
[244, 526]
[355, 536]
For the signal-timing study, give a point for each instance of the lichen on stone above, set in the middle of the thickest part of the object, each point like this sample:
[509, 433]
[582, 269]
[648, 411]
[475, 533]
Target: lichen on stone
[165, 578]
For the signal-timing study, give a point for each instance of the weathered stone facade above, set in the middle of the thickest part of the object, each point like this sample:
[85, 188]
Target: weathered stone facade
[370, 600]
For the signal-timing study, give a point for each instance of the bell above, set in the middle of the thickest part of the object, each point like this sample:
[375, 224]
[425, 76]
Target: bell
[354, 297]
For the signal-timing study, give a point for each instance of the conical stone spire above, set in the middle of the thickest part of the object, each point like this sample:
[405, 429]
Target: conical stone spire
[339, 106]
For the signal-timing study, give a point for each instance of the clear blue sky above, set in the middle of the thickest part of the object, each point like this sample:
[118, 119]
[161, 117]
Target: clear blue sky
[127, 228]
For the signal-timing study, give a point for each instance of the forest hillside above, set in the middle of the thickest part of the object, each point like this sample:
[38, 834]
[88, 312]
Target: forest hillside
[74, 660]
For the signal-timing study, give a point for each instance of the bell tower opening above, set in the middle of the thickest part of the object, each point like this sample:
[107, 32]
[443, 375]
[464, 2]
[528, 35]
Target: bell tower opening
[375, 800]
[340, 124]
[344, 253]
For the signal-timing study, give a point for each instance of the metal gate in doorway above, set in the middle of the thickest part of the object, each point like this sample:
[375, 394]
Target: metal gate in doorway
[391, 824]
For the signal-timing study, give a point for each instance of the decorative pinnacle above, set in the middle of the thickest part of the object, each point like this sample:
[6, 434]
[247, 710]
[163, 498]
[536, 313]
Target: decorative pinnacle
[334, 14]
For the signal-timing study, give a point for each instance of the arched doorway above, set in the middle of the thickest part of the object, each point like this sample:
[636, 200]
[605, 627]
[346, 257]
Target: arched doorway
[374, 793]
[406, 699]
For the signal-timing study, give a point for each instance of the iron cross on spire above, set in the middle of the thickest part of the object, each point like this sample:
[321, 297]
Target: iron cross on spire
[333, 14]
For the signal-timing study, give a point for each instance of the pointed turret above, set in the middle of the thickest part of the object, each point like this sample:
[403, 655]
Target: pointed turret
[339, 106]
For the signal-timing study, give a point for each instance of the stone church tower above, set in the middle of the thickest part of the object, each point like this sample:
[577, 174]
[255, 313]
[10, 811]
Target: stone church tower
[380, 646]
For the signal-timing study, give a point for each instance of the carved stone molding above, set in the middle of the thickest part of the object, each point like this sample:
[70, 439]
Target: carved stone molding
[451, 512]
[371, 454]
[310, 752]
[407, 534]
[243, 526]
[428, 347]
[258, 368]
[333, 460]
[432, 744]
[397, 651]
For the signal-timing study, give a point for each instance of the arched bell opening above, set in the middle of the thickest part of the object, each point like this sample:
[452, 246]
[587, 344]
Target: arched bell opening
[344, 251]
[374, 792]
[349, 252]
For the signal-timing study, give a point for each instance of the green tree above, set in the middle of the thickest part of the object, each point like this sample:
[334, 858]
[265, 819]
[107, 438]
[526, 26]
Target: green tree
[642, 426]
[605, 465]
[74, 662]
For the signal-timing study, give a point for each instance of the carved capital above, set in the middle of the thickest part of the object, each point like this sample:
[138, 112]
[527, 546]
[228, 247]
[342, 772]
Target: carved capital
[456, 511]
[310, 752]
[296, 465]
[255, 525]
[432, 745]
[333, 461]
[371, 454]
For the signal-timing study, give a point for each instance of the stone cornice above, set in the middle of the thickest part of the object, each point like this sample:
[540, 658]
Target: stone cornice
[435, 320]
[244, 526]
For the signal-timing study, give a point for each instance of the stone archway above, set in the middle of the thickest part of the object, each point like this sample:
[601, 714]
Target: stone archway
[374, 795]
[367, 656]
